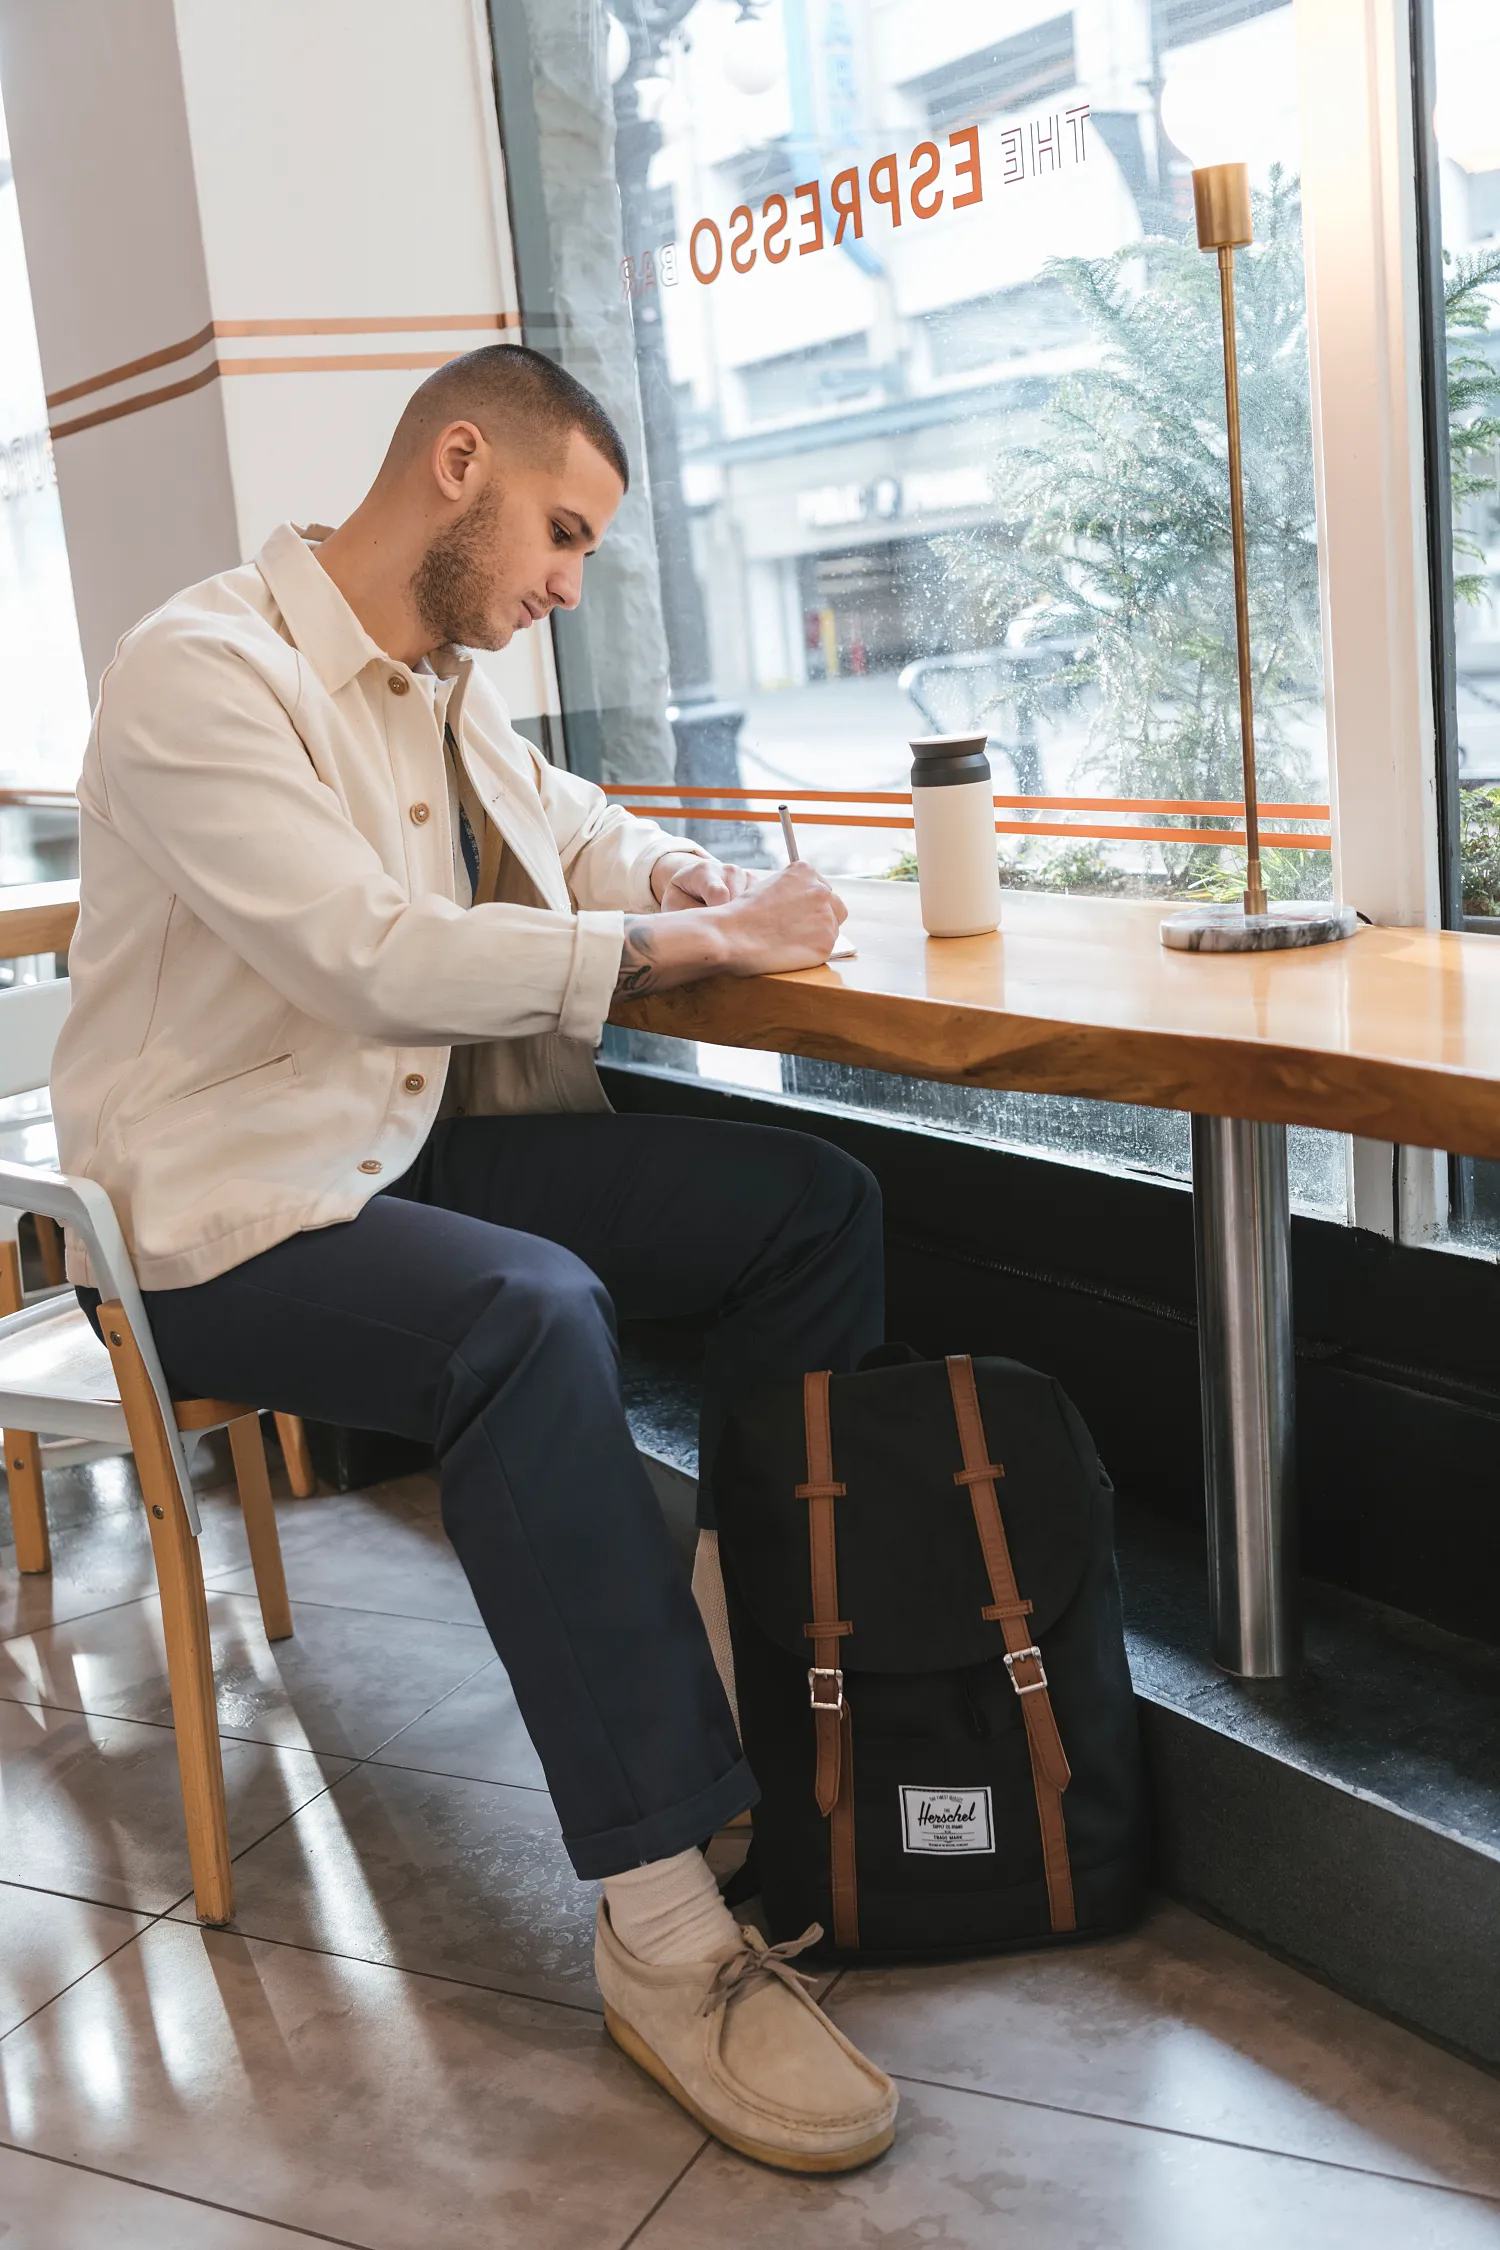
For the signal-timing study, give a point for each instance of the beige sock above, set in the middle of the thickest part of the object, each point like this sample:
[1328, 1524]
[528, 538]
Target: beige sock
[670, 1910]
[708, 1593]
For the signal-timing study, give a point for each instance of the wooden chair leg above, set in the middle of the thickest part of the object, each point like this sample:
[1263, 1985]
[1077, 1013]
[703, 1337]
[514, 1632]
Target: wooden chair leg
[23, 1458]
[12, 1287]
[294, 1451]
[50, 1249]
[28, 1504]
[184, 1609]
[259, 1512]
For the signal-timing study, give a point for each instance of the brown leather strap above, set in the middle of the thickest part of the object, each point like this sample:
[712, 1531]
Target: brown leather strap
[834, 1783]
[1050, 1772]
[825, 1679]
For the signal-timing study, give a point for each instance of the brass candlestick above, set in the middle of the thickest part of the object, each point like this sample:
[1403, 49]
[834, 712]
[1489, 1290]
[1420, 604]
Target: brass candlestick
[1221, 204]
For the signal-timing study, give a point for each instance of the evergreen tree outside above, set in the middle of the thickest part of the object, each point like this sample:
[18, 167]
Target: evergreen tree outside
[1114, 551]
[1473, 391]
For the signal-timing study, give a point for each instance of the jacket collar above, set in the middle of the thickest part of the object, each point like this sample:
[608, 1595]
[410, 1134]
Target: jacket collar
[320, 622]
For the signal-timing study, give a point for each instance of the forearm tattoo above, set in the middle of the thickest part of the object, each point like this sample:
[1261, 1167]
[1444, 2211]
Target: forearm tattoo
[638, 969]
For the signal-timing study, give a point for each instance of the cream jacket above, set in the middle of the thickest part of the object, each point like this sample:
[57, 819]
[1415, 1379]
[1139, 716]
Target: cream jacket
[275, 985]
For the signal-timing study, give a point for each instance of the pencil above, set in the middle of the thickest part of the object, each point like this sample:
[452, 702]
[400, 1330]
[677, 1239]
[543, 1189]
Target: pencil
[788, 835]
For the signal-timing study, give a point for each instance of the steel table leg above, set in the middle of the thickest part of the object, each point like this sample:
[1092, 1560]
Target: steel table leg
[1242, 1228]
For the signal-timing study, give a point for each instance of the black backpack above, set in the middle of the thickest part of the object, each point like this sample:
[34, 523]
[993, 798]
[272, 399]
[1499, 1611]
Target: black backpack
[930, 1662]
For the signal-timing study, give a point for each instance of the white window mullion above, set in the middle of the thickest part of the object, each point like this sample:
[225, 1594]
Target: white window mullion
[1359, 215]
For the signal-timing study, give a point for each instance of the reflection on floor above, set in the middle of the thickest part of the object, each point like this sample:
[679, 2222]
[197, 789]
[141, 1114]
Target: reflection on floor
[399, 2044]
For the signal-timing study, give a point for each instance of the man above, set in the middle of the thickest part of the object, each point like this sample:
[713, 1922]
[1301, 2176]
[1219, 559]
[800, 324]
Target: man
[345, 948]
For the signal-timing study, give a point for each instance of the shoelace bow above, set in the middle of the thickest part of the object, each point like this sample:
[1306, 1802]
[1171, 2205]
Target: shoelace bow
[757, 1960]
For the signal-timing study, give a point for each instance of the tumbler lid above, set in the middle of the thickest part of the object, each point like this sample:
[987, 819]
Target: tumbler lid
[940, 759]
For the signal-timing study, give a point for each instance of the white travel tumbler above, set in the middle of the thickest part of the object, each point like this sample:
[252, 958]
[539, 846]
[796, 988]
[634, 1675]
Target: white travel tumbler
[953, 806]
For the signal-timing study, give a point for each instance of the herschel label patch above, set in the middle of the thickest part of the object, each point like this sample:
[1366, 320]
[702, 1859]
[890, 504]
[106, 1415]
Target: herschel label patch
[946, 1820]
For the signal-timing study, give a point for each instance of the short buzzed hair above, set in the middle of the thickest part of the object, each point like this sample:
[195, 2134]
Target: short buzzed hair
[508, 389]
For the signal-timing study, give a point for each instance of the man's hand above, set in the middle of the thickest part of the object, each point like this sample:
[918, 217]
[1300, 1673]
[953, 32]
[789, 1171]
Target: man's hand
[682, 879]
[789, 920]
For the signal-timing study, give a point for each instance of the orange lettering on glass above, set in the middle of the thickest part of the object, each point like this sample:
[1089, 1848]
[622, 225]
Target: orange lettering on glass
[882, 187]
[741, 241]
[706, 226]
[846, 205]
[885, 186]
[967, 166]
[811, 221]
[926, 161]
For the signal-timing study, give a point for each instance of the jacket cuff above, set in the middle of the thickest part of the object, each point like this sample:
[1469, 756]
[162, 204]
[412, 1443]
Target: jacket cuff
[673, 847]
[598, 942]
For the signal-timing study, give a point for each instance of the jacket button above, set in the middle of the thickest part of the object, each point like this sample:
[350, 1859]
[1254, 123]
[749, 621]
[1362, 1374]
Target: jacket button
[419, 813]
[415, 1082]
[397, 684]
[372, 1164]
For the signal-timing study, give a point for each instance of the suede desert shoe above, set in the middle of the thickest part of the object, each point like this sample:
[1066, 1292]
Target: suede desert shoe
[741, 2045]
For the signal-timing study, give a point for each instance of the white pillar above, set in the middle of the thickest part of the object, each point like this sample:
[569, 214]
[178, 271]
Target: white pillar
[251, 231]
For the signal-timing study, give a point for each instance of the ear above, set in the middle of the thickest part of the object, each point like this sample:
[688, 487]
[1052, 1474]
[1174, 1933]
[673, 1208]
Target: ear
[456, 453]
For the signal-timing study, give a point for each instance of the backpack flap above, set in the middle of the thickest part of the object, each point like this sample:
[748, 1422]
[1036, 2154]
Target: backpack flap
[911, 1573]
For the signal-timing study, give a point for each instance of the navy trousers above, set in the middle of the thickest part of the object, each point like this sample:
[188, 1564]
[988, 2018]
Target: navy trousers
[472, 1304]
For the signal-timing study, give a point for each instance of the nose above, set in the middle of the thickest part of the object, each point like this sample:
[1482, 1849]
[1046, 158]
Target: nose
[565, 581]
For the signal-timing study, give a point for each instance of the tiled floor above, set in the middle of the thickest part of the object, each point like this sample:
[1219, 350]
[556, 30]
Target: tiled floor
[399, 2044]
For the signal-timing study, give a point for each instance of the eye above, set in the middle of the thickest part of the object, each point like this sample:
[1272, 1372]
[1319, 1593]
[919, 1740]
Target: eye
[561, 535]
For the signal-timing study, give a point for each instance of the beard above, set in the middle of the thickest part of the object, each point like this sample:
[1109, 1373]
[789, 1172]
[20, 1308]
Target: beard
[451, 586]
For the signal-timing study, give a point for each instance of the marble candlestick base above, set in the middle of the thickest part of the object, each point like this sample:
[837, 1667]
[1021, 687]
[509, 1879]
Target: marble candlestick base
[1229, 929]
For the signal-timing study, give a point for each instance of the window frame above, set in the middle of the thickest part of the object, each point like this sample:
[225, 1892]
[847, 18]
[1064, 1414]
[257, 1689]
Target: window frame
[1434, 344]
[1374, 370]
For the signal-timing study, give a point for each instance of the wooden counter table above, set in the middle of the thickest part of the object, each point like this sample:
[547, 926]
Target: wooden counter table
[1393, 1034]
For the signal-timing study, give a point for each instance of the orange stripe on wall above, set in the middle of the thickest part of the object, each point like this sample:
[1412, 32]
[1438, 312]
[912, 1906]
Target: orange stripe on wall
[380, 324]
[334, 361]
[389, 324]
[205, 375]
[163, 358]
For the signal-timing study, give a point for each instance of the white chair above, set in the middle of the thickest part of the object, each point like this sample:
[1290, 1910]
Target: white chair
[31, 1017]
[91, 1399]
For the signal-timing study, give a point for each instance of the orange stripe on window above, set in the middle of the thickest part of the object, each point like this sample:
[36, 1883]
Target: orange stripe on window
[1302, 843]
[1230, 807]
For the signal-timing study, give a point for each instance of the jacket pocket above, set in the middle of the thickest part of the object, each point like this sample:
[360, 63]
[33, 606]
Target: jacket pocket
[207, 1096]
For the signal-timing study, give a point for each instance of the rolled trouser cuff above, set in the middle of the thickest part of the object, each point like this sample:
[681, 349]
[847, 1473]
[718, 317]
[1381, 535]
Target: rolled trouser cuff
[611, 1851]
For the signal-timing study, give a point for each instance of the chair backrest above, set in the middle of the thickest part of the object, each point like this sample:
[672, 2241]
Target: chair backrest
[31, 1016]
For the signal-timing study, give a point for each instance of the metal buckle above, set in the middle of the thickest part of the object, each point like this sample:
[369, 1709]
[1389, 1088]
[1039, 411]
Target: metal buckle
[1021, 1656]
[816, 1672]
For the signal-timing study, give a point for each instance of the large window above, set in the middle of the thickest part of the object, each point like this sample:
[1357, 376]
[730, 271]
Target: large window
[44, 712]
[901, 307]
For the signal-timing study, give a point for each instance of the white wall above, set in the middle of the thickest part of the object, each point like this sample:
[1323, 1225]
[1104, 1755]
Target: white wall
[324, 174]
